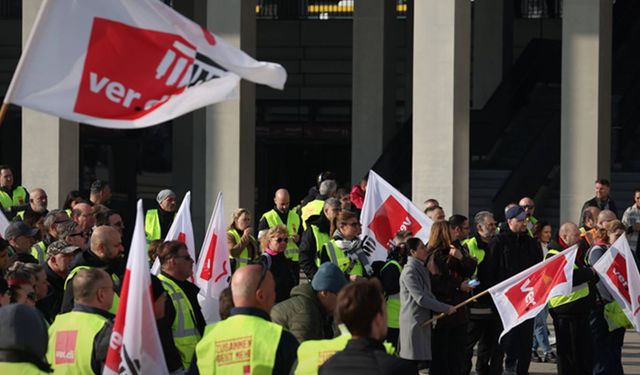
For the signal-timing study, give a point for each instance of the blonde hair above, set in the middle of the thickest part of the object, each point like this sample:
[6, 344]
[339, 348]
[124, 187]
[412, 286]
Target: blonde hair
[235, 215]
[278, 229]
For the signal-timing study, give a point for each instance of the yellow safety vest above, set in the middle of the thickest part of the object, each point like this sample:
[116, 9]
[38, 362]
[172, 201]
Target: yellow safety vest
[242, 259]
[241, 344]
[615, 317]
[578, 291]
[152, 225]
[475, 252]
[39, 251]
[314, 353]
[71, 339]
[17, 198]
[393, 301]
[185, 333]
[116, 283]
[530, 223]
[310, 209]
[321, 239]
[293, 224]
[340, 259]
[22, 368]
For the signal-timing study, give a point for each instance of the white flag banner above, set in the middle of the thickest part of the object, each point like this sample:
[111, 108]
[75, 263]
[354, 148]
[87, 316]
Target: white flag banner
[213, 272]
[523, 296]
[385, 212]
[127, 64]
[618, 271]
[4, 223]
[181, 230]
[135, 344]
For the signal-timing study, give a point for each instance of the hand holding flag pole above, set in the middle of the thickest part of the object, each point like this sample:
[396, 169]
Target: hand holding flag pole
[442, 315]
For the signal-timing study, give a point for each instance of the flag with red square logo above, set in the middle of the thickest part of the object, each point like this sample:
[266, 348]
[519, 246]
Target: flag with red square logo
[618, 271]
[127, 64]
[213, 272]
[181, 230]
[65, 347]
[523, 296]
[385, 212]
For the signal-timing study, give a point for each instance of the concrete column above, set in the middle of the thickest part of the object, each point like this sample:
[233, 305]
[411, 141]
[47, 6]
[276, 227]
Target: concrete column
[441, 59]
[50, 145]
[487, 50]
[374, 91]
[586, 102]
[230, 130]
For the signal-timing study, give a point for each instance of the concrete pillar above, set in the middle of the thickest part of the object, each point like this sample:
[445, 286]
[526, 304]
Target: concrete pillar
[487, 50]
[374, 92]
[586, 102]
[230, 130]
[50, 145]
[441, 59]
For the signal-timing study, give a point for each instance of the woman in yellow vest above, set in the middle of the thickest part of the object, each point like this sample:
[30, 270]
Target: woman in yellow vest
[243, 247]
[345, 249]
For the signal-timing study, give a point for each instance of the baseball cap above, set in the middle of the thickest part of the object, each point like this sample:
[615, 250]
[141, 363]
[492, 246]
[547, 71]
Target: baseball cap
[516, 212]
[61, 247]
[17, 229]
[164, 194]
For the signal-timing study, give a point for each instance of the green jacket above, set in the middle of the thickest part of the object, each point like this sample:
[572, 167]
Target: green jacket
[303, 315]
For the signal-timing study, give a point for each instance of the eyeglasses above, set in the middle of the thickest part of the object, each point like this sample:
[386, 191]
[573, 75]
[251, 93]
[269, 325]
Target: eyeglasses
[280, 239]
[265, 262]
[354, 224]
[527, 206]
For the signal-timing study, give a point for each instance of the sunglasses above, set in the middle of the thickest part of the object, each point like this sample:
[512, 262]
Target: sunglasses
[527, 206]
[265, 262]
[280, 239]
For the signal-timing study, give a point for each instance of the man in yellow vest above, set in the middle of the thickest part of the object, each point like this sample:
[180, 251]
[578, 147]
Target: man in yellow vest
[316, 235]
[282, 215]
[54, 223]
[571, 313]
[21, 237]
[248, 342]
[327, 190]
[79, 340]
[529, 206]
[484, 324]
[12, 199]
[157, 221]
[182, 308]
[106, 252]
[23, 343]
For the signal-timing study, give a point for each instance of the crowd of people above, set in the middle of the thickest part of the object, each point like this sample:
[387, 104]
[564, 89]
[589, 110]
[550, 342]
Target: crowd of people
[304, 296]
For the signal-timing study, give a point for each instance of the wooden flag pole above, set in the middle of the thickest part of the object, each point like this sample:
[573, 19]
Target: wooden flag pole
[3, 112]
[442, 315]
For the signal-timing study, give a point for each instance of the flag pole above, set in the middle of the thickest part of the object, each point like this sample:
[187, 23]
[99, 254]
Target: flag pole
[3, 111]
[442, 315]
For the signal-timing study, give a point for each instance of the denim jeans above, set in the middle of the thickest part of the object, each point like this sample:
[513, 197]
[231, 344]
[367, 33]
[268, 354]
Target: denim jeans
[540, 332]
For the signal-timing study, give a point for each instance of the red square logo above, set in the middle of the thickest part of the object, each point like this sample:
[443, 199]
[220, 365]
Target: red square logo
[617, 273]
[128, 71]
[389, 219]
[65, 347]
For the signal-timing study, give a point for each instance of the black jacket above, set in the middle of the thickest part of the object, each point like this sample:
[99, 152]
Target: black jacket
[582, 274]
[286, 353]
[487, 271]
[366, 356]
[283, 274]
[51, 304]
[308, 251]
[512, 253]
[89, 259]
[594, 202]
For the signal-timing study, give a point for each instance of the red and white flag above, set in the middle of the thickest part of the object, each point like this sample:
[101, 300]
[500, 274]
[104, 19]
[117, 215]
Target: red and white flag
[523, 296]
[135, 346]
[618, 271]
[4, 223]
[181, 230]
[386, 211]
[127, 64]
[213, 271]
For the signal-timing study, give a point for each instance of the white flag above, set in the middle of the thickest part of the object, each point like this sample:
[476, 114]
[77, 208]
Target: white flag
[214, 272]
[135, 345]
[127, 64]
[181, 230]
[385, 212]
[4, 223]
[523, 296]
[618, 271]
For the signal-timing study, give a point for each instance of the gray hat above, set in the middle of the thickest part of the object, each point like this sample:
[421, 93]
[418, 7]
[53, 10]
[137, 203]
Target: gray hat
[164, 194]
[61, 247]
[516, 212]
[23, 330]
[328, 278]
[17, 229]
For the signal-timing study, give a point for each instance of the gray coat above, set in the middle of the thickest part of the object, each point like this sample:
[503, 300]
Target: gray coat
[417, 302]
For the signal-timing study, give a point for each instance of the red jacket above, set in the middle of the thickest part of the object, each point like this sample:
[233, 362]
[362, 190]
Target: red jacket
[357, 196]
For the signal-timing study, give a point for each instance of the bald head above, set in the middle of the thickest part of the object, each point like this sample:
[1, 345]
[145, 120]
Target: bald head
[106, 243]
[247, 293]
[93, 287]
[282, 200]
[604, 217]
[569, 233]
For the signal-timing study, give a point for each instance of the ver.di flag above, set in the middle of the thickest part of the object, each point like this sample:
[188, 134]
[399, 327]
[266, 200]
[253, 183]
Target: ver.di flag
[127, 64]
[385, 212]
[135, 346]
[181, 230]
[213, 271]
[523, 296]
[618, 271]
